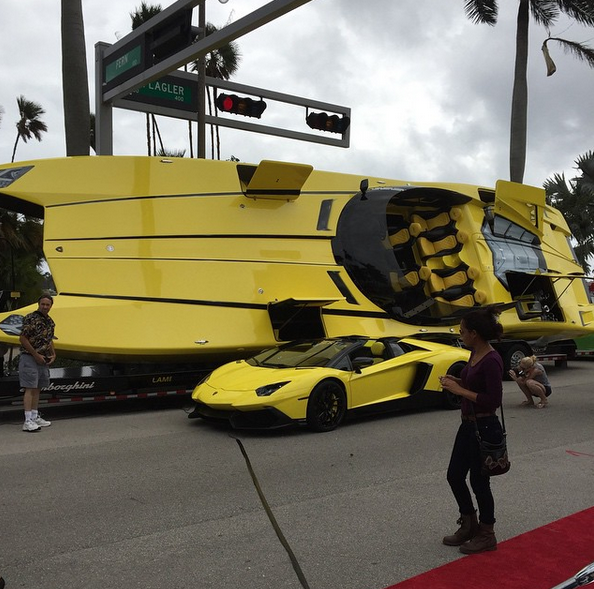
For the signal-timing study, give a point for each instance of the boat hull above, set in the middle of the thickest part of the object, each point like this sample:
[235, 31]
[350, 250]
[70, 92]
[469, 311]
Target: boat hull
[157, 259]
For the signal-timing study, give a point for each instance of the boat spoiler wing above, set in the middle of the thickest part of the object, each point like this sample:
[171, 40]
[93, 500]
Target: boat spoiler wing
[273, 180]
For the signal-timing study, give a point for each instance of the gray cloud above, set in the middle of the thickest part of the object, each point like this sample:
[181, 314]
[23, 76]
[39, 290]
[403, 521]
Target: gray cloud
[430, 91]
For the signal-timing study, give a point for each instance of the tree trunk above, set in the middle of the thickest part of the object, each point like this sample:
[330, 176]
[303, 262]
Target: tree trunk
[157, 134]
[75, 82]
[190, 139]
[519, 113]
[15, 146]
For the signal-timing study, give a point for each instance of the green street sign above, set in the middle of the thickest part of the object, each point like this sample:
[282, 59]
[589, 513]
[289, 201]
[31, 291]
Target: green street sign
[169, 91]
[123, 63]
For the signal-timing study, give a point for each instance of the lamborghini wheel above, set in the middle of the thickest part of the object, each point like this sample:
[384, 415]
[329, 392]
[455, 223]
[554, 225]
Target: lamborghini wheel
[326, 407]
[454, 401]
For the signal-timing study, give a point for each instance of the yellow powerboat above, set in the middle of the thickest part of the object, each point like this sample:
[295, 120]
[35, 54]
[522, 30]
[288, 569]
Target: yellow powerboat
[175, 259]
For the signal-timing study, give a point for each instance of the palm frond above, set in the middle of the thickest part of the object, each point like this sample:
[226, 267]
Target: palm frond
[557, 190]
[30, 125]
[165, 152]
[551, 67]
[579, 50]
[544, 12]
[585, 183]
[482, 11]
[29, 109]
[221, 63]
[580, 10]
[585, 163]
[36, 128]
[143, 13]
[575, 200]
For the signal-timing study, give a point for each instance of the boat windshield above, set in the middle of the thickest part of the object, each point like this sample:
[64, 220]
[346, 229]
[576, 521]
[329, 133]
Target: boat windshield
[513, 248]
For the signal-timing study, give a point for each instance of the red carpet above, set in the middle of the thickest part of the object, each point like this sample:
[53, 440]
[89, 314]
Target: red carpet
[539, 559]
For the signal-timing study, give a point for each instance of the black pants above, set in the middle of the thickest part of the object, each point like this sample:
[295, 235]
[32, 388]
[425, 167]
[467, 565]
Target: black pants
[466, 458]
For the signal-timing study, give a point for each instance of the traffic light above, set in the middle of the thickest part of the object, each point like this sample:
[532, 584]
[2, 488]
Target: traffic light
[325, 122]
[239, 105]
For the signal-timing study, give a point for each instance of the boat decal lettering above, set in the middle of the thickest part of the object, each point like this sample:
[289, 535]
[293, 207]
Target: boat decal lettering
[160, 379]
[66, 388]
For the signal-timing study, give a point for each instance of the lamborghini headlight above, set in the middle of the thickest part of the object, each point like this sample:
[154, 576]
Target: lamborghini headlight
[268, 389]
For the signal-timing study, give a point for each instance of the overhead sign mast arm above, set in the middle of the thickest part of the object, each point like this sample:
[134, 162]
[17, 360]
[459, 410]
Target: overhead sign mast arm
[131, 74]
[252, 21]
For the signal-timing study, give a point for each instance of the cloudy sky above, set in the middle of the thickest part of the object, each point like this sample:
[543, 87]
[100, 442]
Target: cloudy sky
[429, 90]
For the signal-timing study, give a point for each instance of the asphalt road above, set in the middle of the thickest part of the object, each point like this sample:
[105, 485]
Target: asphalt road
[137, 495]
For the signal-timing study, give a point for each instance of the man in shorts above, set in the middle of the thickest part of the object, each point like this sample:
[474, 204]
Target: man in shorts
[37, 353]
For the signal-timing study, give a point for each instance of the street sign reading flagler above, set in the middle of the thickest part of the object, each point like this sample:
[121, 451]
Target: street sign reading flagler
[173, 91]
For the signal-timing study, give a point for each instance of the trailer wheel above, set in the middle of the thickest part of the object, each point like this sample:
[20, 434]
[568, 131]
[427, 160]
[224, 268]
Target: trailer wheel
[512, 357]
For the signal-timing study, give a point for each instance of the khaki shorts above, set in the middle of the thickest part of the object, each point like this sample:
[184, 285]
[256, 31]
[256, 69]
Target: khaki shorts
[31, 374]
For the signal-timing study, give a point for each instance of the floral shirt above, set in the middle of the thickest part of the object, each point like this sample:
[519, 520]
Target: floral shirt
[39, 330]
[486, 379]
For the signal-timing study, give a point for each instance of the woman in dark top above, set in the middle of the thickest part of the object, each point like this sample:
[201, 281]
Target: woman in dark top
[480, 386]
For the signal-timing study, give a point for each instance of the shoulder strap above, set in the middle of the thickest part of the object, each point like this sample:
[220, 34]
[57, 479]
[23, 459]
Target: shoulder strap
[502, 417]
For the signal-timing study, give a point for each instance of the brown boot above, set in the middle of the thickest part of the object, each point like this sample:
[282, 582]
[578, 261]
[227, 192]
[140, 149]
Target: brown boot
[469, 527]
[483, 541]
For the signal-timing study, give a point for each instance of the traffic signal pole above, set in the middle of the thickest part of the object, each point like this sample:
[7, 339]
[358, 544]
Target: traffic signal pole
[201, 120]
[122, 84]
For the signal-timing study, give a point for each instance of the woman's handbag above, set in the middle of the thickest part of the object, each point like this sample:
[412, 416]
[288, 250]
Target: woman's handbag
[494, 454]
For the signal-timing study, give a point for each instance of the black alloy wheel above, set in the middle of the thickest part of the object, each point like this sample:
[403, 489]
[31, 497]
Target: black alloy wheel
[326, 407]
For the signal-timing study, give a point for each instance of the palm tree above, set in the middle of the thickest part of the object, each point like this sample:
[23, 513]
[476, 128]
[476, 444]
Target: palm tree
[143, 13]
[75, 82]
[164, 152]
[222, 63]
[575, 199]
[545, 13]
[29, 125]
[21, 253]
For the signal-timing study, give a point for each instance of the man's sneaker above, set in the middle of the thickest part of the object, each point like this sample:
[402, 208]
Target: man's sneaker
[30, 426]
[41, 422]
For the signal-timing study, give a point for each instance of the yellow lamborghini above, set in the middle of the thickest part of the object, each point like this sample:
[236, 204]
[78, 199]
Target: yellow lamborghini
[317, 382]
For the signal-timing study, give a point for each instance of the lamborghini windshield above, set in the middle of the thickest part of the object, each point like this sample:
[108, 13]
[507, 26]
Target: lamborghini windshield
[300, 354]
